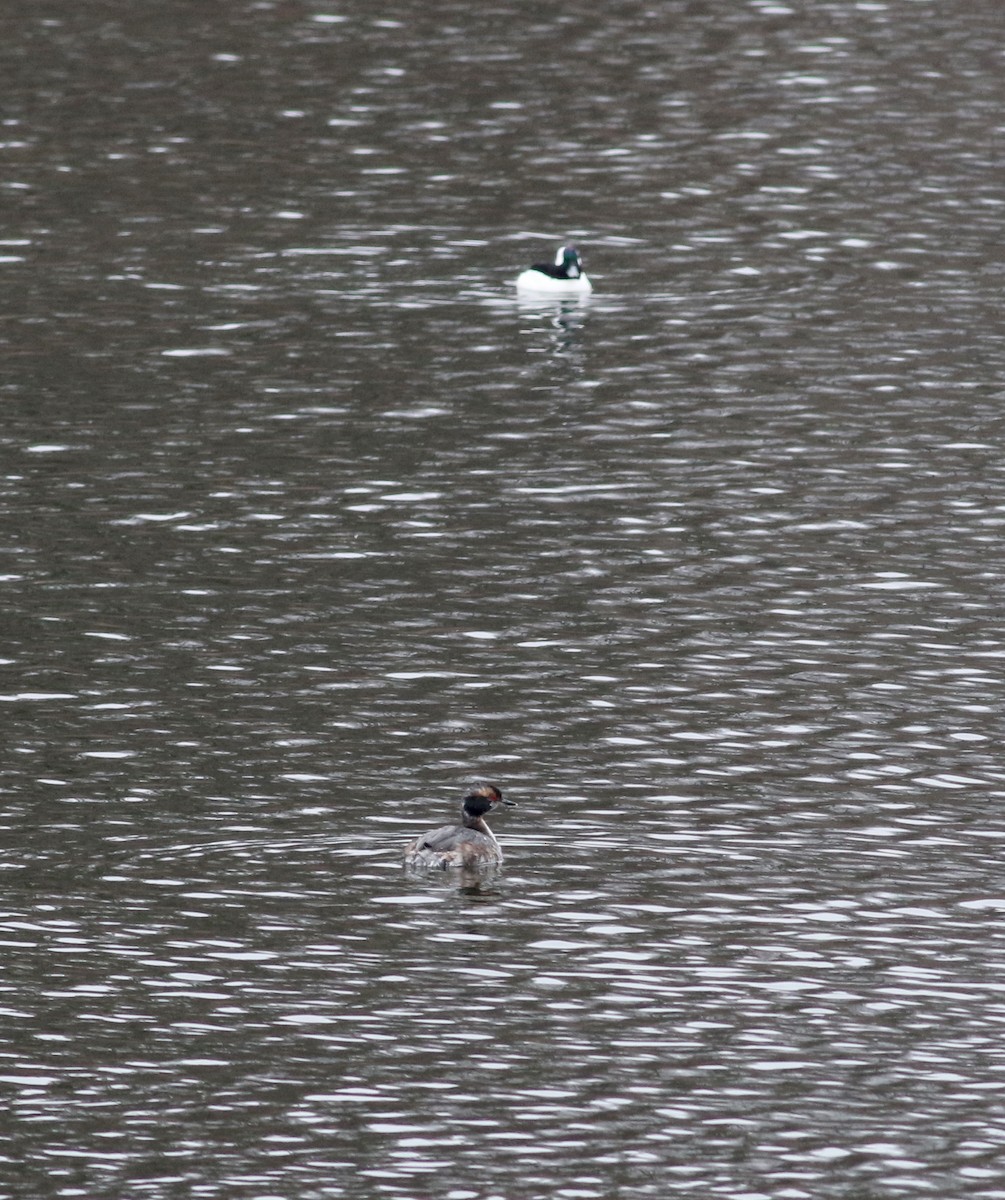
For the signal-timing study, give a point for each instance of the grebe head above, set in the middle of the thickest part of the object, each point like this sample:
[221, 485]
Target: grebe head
[480, 801]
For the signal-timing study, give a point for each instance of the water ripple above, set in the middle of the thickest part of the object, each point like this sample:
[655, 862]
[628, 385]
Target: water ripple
[310, 521]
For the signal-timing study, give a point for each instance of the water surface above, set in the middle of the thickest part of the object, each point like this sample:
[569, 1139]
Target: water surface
[306, 523]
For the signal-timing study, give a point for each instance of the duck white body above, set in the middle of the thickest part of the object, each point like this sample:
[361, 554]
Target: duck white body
[563, 279]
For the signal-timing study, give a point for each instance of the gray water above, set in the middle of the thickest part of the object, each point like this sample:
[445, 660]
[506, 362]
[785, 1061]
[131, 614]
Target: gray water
[306, 523]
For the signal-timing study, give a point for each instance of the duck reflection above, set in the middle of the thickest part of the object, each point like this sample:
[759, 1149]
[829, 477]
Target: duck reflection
[566, 320]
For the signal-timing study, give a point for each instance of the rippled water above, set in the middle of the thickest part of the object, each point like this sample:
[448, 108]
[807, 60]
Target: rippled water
[306, 523]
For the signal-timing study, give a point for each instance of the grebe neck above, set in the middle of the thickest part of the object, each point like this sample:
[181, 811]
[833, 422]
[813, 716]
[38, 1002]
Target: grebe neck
[473, 822]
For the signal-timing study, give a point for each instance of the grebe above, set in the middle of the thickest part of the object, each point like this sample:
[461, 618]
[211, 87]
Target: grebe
[564, 277]
[469, 845]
